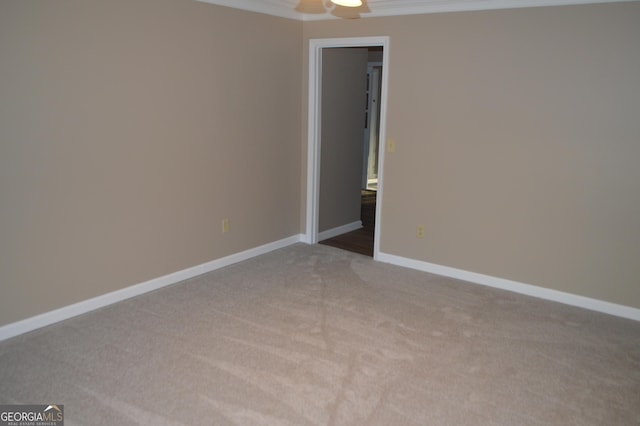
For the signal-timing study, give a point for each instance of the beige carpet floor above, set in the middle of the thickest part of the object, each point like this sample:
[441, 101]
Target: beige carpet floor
[312, 335]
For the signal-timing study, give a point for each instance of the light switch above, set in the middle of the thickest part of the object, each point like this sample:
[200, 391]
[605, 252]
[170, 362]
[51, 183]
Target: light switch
[391, 145]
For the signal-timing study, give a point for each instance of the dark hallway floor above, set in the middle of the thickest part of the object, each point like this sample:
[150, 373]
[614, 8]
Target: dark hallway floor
[361, 240]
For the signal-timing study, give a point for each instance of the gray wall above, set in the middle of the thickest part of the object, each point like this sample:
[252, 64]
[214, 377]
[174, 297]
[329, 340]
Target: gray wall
[344, 80]
[128, 131]
[518, 138]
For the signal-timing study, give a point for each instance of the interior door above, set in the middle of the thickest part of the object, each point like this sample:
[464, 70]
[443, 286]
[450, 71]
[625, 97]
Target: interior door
[344, 82]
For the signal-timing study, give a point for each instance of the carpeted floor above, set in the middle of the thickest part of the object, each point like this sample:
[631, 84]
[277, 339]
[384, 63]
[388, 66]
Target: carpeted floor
[313, 335]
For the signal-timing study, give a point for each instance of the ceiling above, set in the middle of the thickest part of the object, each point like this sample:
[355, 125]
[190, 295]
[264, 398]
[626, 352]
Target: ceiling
[309, 10]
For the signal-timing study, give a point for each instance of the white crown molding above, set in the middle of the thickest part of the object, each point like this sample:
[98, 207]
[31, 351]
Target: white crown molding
[379, 8]
[281, 8]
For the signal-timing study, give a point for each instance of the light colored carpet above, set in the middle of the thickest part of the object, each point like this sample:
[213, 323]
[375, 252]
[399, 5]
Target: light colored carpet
[312, 335]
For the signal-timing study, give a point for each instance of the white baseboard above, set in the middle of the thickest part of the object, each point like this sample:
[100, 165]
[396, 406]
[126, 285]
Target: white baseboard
[330, 233]
[51, 317]
[514, 286]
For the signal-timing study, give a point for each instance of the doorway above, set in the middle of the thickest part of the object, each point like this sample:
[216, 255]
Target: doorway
[315, 124]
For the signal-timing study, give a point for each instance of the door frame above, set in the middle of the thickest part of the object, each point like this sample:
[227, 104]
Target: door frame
[314, 124]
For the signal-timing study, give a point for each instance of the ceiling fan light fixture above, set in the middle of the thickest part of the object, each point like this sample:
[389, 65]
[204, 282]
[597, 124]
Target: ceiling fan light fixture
[348, 3]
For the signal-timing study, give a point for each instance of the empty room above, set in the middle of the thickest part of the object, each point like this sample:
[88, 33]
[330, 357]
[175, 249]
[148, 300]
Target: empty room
[168, 169]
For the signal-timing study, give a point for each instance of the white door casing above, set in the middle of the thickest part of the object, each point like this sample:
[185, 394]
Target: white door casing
[314, 121]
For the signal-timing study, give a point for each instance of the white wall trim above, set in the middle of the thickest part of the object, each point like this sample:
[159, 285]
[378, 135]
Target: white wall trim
[379, 8]
[415, 7]
[330, 233]
[66, 312]
[279, 8]
[51, 317]
[516, 287]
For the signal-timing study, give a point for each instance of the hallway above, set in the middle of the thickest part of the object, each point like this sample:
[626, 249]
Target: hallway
[360, 240]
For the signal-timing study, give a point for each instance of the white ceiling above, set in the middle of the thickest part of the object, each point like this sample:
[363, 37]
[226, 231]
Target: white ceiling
[287, 8]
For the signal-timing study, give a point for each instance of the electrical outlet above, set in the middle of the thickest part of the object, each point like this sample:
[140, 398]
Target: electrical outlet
[420, 231]
[391, 145]
[225, 226]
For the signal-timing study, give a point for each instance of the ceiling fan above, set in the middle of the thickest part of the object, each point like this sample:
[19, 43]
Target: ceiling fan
[348, 3]
[340, 8]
